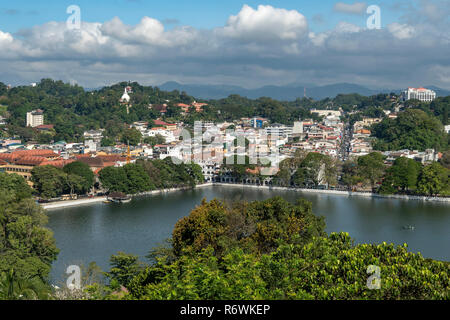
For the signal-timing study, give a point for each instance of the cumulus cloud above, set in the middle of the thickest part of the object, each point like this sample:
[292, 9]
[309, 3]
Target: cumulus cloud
[148, 30]
[257, 46]
[5, 37]
[355, 8]
[266, 23]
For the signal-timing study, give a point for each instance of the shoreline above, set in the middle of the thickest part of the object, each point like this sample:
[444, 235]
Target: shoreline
[74, 203]
[341, 193]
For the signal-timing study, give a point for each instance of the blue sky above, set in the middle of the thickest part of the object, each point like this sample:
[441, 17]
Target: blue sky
[248, 43]
[19, 14]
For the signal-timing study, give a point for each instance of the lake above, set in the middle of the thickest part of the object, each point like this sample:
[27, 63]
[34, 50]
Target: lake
[95, 232]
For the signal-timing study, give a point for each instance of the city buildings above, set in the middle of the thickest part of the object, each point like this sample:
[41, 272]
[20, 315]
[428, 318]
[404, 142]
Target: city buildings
[22, 162]
[260, 139]
[258, 122]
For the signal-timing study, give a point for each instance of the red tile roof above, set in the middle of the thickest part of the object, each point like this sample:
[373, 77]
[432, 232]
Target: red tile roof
[57, 163]
[112, 158]
[30, 160]
[9, 156]
[37, 152]
[162, 123]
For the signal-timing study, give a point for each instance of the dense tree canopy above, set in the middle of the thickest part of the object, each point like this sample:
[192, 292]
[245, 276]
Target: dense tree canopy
[131, 136]
[157, 139]
[371, 167]
[402, 176]
[84, 171]
[315, 169]
[128, 179]
[256, 226]
[413, 129]
[434, 179]
[25, 244]
[13, 183]
[51, 182]
[147, 175]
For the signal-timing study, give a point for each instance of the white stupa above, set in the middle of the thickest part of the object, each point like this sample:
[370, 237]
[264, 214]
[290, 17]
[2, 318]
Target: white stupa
[125, 97]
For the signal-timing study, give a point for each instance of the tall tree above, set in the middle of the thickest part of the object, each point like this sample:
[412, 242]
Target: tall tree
[131, 136]
[316, 169]
[48, 180]
[402, 176]
[371, 167]
[82, 170]
[350, 174]
[433, 179]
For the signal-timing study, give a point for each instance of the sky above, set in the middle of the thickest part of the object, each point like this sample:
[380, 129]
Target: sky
[245, 43]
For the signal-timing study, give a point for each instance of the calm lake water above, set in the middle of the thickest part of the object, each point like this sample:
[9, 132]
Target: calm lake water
[95, 232]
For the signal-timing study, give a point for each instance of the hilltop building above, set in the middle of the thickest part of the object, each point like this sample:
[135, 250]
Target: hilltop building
[125, 97]
[421, 94]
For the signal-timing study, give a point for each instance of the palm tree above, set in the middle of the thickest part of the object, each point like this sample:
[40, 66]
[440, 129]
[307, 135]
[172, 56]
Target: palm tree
[14, 288]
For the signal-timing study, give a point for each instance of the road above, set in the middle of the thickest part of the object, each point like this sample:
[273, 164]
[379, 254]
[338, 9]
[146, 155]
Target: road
[345, 144]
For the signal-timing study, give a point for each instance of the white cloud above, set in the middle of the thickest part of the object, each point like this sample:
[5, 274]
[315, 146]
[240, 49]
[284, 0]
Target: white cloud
[148, 30]
[401, 31]
[266, 23]
[5, 37]
[355, 8]
[257, 46]
[318, 39]
[346, 27]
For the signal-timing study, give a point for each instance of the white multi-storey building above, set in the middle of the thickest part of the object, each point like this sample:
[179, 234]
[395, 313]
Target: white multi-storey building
[35, 118]
[95, 135]
[421, 94]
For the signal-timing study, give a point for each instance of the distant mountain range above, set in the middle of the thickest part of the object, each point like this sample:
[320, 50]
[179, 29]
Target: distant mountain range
[286, 93]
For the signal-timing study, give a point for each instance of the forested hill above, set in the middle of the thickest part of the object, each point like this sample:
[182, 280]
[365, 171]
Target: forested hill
[73, 110]
[287, 92]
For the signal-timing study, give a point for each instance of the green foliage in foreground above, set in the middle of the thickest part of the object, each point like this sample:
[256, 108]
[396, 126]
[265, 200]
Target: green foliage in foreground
[215, 264]
[326, 268]
[15, 288]
[257, 227]
[25, 244]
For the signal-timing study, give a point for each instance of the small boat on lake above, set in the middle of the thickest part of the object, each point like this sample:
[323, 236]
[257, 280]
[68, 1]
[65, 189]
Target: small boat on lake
[409, 228]
[119, 197]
